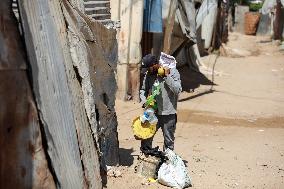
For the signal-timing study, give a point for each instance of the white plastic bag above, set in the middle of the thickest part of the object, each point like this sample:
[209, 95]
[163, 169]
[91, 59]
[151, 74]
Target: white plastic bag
[149, 115]
[173, 173]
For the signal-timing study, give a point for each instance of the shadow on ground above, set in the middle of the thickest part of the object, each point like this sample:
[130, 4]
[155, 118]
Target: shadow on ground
[197, 95]
[191, 79]
[126, 159]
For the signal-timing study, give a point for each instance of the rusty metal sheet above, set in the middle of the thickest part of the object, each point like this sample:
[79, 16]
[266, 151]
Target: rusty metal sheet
[22, 159]
[9, 44]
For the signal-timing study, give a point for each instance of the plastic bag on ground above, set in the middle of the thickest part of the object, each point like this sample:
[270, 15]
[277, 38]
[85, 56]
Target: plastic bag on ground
[173, 173]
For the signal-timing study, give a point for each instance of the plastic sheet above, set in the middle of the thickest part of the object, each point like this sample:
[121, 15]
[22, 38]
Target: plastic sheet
[268, 6]
[205, 8]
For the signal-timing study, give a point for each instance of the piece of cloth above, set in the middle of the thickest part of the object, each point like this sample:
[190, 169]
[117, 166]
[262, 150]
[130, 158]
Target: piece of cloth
[186, 17]
[168, 125]
[170, 89]
[203, 11]
[152, 17]
[268, 6]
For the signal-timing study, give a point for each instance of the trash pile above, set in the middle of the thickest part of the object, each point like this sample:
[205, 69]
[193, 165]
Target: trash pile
[167, 168]
[173, 172]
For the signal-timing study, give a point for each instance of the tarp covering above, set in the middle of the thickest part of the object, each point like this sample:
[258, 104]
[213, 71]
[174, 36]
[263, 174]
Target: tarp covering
[208, 27]
[152, 18]
[268, 6]
[186, 17]
[205, 8]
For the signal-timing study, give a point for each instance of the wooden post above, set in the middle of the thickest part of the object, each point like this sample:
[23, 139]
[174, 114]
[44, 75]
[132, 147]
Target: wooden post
[169, 26]
[277, 22]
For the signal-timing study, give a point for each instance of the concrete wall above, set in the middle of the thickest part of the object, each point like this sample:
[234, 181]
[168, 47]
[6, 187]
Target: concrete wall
[240, 18]
[130, 14]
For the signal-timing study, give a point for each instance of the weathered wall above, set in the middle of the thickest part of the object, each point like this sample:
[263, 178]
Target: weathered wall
[115, 9]
[23, 162]
[79, 4]
[278, 23]
[99, 65]
[46, 41]
[267, 23]
[73, 61]
[240, 18]
[130, 12]
[264, 26]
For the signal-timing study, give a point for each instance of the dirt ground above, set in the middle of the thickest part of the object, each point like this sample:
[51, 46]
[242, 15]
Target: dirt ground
[231, 134]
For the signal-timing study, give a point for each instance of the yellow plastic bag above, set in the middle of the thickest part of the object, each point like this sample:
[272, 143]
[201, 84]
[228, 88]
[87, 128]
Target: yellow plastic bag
[143, 130]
